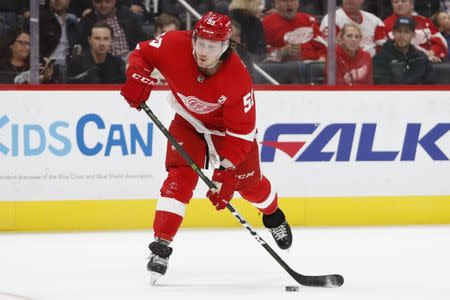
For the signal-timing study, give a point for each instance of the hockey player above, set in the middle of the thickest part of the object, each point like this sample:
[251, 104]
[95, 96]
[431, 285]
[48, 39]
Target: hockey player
[214, 121]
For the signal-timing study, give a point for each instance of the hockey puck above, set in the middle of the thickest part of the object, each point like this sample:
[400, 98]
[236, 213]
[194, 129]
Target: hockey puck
[292, 288]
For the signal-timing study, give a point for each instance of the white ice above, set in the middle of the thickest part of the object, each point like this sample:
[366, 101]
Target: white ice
[377, 262]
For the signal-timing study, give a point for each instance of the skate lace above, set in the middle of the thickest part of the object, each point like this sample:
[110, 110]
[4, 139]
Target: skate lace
[159, 260]
[279, 232]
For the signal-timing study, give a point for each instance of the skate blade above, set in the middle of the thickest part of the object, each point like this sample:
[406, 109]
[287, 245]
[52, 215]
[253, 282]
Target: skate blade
[154, 277]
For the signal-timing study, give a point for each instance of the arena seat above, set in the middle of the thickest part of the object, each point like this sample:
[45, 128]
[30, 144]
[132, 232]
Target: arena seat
[314, 73]
[441, 73]
[283, 72]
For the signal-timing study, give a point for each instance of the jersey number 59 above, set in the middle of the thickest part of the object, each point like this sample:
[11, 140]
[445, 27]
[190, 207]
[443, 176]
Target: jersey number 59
[157, 42]
[249, 101]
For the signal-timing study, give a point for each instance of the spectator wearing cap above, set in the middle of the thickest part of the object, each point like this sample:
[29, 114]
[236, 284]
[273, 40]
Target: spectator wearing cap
[126, 30]
[399, 62]
[373, 30]
[427, 39]
[441, 20]
[292, 35]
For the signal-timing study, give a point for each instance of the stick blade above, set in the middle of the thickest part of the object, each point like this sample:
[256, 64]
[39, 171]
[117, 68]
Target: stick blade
[331, 281]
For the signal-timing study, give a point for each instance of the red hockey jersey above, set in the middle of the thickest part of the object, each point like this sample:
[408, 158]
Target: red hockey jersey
[222, 104]
[353, 70]
[303, 29]
[427, 36]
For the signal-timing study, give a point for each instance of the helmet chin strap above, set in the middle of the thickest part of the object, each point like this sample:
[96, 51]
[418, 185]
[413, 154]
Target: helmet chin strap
[225, 47]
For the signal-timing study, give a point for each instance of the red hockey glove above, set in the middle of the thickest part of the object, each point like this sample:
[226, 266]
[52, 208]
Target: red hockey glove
[138, 86]
[226, 182]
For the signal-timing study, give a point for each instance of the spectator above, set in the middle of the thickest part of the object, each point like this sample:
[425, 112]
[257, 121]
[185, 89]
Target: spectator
[240, 49]
[245, 12]
[399, 62]
[353, 64]
[57, 31]
[441, 20]
[15, 59]
[292, 35]
[126, 31]
[372, 28]
[15, 54]
[427, 39]
[164, 23]
[97, 65]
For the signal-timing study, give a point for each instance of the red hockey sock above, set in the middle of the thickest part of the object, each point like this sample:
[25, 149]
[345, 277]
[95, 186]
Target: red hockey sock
[262, 197]
[168, 217]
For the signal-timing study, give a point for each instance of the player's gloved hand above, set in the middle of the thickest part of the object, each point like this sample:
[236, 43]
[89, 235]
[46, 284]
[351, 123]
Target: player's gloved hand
[138, 86]
[226, 181]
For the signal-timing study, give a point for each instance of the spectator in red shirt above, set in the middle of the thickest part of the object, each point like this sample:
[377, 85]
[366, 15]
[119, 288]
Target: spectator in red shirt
[441, 20]
[427, 39]
[292, 35]
[353, 64]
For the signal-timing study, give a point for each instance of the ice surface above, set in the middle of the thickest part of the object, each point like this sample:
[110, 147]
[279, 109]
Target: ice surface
[377, 262]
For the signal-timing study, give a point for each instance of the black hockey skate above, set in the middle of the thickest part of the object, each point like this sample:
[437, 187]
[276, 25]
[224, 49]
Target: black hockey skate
[159, 259]
[279, 228]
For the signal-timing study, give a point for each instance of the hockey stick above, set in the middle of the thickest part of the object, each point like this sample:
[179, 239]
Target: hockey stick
[333, 280]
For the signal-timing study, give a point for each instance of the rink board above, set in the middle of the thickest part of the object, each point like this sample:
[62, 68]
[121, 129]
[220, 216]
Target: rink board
[134, 214]
[80, 160]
